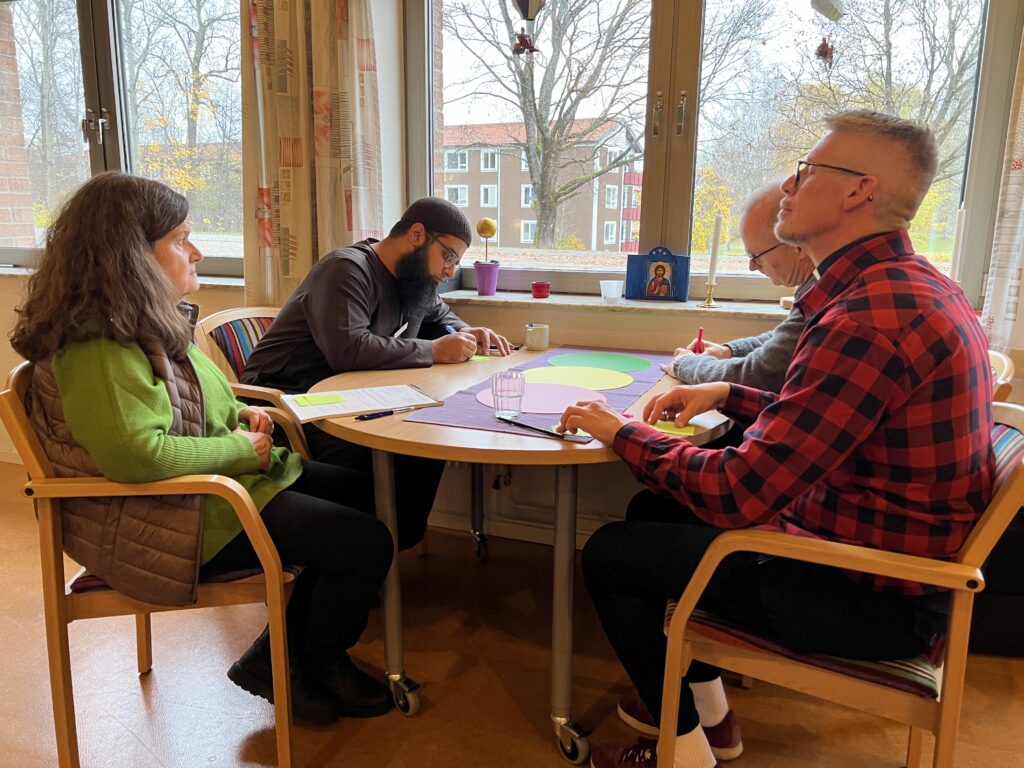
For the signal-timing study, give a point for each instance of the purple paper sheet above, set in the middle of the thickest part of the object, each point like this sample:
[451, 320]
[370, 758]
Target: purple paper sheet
[463, 409]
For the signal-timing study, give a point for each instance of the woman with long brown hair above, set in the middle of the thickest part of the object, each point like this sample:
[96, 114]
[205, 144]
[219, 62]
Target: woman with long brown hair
[120, 390]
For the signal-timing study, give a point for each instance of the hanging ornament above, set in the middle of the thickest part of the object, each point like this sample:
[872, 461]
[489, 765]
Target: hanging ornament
[825, 52]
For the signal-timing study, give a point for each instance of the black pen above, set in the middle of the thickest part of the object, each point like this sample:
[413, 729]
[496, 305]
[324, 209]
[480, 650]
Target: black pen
[382, 414]
[546, 432]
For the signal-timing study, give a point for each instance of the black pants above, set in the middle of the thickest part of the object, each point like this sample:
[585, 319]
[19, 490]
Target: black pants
[416, 479]
[633, 567]
[324, 522]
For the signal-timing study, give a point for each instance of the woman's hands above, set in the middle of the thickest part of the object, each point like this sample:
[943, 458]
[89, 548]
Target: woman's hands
[260, 426]
[682, 403]
[594, 417]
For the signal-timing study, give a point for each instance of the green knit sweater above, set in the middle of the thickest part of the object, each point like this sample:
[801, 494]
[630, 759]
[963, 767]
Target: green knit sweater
[119, 411]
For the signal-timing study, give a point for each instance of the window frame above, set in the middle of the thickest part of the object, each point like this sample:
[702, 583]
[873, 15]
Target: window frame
[526, 191]
[611, 196]
[491, 153]
[614, 225]
[462, 189]
[523, 223]
[682, 23]
[463, 165]
[483, 202]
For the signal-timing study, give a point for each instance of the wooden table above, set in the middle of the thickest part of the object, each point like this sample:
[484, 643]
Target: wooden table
[389, 435]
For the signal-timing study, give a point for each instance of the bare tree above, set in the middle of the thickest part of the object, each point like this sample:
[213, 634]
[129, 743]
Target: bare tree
[587, 82]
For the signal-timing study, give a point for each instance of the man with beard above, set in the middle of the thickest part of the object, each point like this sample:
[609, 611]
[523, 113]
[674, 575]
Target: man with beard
[374, 306]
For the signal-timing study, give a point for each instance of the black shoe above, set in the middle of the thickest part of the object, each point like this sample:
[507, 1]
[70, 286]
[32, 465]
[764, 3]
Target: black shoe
[358, 694]
[252, 673]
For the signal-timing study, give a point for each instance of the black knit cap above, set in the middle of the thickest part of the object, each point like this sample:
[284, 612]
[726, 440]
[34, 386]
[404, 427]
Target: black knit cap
[440, 216]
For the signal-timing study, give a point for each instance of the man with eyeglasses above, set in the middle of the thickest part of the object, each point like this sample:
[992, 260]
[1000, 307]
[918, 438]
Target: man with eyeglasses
[757, 361]
[374, 306]
[880, 437]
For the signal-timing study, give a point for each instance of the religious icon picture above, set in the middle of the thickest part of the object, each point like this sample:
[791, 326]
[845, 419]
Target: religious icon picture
[658, 275]
[659, 282]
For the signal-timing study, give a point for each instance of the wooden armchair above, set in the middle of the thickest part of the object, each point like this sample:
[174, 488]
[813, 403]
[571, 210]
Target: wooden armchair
[920, 693]
[1002, 375]
[228, 338]
[86, 597]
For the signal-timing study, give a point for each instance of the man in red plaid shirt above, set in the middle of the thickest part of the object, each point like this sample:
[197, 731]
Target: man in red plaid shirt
[879, 437]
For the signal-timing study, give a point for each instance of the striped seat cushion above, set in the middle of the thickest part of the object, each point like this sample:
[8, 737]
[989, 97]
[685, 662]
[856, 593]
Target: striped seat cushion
[237, 339]
[1008, 444]
[89, 582]
[917, 675]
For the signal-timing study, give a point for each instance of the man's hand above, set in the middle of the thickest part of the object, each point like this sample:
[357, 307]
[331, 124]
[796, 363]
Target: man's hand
[454, 347]
[719, 351]
[261, 443]
[682, 403]
[597, 418]
[485, 337]
[257, 419]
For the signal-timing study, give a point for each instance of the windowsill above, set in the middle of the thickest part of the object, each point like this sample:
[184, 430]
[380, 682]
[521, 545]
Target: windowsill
[749, 310]
[9, 271]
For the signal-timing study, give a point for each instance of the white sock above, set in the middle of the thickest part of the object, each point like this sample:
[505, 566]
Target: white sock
[693, 750]
[709, 698]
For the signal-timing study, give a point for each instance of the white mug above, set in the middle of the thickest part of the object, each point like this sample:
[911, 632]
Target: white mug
[536, 336]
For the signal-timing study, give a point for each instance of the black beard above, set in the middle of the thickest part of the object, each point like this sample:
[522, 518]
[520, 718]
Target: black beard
[414, 284]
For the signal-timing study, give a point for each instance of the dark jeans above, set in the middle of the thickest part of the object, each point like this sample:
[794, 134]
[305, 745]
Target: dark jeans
[324, 522]
[633, 567]
[416, 479]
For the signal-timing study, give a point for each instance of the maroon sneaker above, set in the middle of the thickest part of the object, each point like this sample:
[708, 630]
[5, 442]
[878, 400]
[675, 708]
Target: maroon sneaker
[724, 738]
[643, 754]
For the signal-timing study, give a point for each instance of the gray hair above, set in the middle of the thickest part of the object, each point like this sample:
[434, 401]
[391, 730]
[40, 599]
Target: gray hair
[766, 194]
[918, 144]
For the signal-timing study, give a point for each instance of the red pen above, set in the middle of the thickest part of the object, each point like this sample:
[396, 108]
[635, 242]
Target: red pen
[699, 346]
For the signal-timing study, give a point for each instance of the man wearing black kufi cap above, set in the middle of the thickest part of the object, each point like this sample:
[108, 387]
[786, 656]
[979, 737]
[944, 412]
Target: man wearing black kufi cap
[374, 306]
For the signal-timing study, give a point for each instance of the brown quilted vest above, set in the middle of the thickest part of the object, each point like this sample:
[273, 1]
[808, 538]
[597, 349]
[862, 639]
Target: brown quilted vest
[146, 547]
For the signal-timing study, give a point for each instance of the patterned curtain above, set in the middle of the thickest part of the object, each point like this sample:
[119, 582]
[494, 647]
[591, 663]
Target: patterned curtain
[1001, 313]
[311, 138]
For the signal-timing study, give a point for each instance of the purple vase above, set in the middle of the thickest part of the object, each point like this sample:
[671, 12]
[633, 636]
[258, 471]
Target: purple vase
[486, 277]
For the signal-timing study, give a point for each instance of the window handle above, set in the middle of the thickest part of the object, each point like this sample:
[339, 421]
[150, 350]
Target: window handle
[98, 125]
[656, 115]
[681, 113]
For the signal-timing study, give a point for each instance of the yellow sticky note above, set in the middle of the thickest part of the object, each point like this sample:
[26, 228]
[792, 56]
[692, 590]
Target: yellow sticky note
[670, 428]
[314, 399]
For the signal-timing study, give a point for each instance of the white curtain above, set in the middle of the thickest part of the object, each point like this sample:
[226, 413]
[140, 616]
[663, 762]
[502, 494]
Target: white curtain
[1002, 315]
[310, 139]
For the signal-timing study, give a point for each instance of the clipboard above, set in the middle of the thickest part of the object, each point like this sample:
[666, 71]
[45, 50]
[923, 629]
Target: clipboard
[315, 406]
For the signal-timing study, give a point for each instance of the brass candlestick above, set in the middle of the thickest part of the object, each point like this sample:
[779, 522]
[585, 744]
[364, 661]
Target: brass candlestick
[709, 302]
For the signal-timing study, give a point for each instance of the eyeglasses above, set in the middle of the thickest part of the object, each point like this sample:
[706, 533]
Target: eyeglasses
[800, 164]
[451, 258]
[755, 257]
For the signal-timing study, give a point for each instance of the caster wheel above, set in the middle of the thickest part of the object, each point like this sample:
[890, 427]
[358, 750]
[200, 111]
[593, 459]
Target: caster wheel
[577, 751]
[407, 702]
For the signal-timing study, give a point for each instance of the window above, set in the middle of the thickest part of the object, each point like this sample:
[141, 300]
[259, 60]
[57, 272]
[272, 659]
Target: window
[457, 194]
[527, 231]
[171, 120]
[526, 195]
[758, 89]
[456, 160]
[488, 160]
[489, 196]
[609, 232]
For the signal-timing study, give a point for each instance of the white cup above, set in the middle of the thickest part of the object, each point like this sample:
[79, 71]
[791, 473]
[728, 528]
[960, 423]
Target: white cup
[611, 291]
[536, 336]
[507, 388]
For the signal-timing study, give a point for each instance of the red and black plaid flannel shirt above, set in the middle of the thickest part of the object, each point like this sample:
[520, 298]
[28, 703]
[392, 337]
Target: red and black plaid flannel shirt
[881, 434]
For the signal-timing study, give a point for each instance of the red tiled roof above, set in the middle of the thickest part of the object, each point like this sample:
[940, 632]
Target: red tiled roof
[499, 134]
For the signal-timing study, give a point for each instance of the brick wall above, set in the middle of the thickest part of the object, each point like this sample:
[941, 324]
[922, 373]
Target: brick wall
[16, 227]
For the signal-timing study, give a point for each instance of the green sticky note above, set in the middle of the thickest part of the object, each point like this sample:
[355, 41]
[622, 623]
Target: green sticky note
[308, 400]
[478, 358]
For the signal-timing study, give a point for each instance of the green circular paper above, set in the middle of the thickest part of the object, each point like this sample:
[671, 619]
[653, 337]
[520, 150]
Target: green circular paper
[610, 360]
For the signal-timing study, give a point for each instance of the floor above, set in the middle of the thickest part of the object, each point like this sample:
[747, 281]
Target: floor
[476, 638]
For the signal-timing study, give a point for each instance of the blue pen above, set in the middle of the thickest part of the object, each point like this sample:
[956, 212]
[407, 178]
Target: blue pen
[450, 329]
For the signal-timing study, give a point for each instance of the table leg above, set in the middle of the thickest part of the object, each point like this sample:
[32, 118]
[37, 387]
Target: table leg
[476, 510]
[572, 741]
[402, 687]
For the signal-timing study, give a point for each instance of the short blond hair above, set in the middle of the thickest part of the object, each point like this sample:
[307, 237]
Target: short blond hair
[918, 144]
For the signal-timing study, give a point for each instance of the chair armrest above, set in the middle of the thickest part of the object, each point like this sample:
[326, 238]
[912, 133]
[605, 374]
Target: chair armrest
[212, 485]
[937, 573]
[253, 392]
[292, 430]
